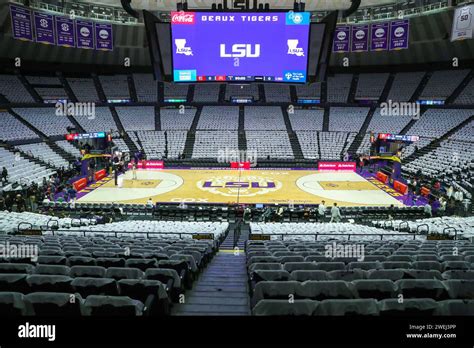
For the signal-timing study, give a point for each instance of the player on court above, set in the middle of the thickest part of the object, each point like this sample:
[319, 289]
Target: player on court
[134, 171]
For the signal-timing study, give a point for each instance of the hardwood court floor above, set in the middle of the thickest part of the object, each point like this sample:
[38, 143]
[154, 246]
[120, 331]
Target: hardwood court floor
[231, 186]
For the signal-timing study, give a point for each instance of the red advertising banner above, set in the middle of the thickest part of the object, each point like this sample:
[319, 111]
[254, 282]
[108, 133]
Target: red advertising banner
[100, 174]
[240, 165]
[71, 137]
[80, 184]
[337, 166]
[425, 191]
[382, 177]
[151, 164]
[400, 187]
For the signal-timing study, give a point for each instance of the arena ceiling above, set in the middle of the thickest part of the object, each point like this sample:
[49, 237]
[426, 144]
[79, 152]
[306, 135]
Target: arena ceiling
[311, 5]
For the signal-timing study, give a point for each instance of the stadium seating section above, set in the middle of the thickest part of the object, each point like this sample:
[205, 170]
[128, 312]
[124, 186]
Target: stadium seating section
[140, 266]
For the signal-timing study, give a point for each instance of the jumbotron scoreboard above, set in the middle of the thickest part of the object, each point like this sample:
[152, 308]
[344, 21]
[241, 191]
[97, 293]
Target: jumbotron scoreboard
[239, 47]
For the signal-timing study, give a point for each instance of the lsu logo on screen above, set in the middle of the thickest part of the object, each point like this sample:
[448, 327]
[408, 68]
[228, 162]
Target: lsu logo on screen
[241, 51]
[183, 18]
[293, 48]
[181, 47]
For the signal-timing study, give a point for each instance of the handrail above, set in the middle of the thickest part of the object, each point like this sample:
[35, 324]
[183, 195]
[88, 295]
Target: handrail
[451, 228]
[381, 235]
[427, 226]
[24, 223]
[75, 219]
[401, 223]
[401, 14]
[127, 19]
[56, 221]
[148, 234]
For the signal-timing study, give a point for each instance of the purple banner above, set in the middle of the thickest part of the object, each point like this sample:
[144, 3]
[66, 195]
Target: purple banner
[342, 39]
[399, 34]
[21, 23]
[360, 38]
[44, 26]
[85, 34]
[65, 32]
[103, 37]
[379, 36]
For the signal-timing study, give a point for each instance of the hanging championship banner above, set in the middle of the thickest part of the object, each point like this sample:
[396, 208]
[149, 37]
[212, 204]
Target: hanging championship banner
[21, 23]
[44, 27]
[379, 36]
[360, 38]
[103, 37]
[463, 23]
[85, 34]
[65, 32]
[342, 39]
[62, 31]
[399, 34]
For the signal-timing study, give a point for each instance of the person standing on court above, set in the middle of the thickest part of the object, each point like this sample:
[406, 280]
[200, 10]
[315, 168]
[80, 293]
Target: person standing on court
[321, 211]
[72, 195]
[149, 203]
[335, 214]
[134, 170]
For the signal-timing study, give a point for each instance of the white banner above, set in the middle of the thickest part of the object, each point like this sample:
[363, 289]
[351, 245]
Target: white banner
[463, 23]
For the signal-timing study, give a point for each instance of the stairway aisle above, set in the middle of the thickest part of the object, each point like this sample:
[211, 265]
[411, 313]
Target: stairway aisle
[222, 288]
[228, 243]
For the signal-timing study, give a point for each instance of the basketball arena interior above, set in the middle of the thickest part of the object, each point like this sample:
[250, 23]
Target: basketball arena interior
[222, 158]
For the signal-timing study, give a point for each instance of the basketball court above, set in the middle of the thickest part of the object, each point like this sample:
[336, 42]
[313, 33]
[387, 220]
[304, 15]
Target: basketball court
[234, 186]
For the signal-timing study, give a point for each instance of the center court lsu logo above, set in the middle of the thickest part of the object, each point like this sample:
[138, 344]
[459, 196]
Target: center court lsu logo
[181, 47]
[294, 49]
[246, 186]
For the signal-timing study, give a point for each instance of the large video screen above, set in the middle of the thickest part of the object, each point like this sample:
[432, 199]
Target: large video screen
[234, 47]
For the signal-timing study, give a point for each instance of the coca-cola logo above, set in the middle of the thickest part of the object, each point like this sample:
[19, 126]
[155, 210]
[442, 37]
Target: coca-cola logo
[182, 18]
